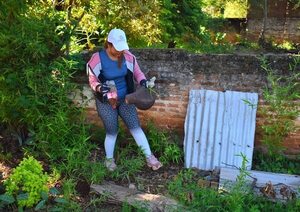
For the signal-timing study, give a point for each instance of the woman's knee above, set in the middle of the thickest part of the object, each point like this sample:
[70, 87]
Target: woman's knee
[109, 118]
[129, 115]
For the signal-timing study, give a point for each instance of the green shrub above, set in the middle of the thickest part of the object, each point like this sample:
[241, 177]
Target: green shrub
[27, 182]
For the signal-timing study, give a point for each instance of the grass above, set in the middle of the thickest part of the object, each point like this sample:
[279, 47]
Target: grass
[185, 189]
[276, 163]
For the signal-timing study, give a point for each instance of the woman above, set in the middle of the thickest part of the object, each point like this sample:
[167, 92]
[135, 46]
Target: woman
[112, 72]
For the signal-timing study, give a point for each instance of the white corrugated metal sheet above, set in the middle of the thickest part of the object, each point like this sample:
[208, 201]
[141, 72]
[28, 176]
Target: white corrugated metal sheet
[218, 127]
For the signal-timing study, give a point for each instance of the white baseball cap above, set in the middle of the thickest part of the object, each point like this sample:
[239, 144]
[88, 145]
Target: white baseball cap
[118, 38]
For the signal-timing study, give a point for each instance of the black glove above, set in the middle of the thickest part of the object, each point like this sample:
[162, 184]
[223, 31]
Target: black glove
[104, 89]
[144, 83]
[101, 92]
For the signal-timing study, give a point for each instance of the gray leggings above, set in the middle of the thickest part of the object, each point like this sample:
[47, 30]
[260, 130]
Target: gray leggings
[109, 116]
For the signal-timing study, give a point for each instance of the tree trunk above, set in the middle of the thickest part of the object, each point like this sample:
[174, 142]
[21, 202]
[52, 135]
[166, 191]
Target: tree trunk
[285, 26]
[262, 39]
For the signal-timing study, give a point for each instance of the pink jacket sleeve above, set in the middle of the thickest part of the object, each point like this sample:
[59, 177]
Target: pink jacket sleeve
[93, 80]
[91, 67]
[137, 73]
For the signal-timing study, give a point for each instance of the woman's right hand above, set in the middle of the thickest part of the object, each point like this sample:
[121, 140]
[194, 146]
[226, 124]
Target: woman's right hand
[103, 89]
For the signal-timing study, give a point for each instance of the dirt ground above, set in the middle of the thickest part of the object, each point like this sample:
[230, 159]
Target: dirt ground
[148, 181]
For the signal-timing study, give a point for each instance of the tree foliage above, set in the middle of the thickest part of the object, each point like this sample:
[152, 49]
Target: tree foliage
[138, 18]
[28, 42]
[35, 35]
[226, 8]
[181, 19]
[35, 81]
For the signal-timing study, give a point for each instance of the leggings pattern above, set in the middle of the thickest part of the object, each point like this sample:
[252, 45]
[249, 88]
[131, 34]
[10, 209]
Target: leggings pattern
[109, 116]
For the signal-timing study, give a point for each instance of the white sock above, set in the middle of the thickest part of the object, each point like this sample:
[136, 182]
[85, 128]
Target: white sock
[141, 140]
[109, 145]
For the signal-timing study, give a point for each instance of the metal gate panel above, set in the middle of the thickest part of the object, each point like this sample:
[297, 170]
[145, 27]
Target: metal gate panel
[218, 127]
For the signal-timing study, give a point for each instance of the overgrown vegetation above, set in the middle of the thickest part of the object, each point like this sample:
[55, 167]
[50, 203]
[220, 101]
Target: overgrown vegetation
[282, 107]
[40, 42]
[280, 110]
[277, 163]
[164, 145]
[240, 197]
[35, 85]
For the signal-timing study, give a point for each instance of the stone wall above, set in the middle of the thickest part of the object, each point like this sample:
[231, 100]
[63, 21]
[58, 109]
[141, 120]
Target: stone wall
[178, 71]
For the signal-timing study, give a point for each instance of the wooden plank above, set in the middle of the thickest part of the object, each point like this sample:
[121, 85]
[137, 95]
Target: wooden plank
[151, 202]
[272, 185]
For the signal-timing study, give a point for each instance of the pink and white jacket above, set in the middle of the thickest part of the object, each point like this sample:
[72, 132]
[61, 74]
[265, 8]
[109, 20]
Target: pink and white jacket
[96, 78]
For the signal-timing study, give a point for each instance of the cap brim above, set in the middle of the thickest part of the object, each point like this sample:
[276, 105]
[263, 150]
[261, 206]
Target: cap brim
[120, 46]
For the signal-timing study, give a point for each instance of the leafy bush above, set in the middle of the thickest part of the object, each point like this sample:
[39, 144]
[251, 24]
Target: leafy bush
[185, 25]
[173, 23]
[27, 182]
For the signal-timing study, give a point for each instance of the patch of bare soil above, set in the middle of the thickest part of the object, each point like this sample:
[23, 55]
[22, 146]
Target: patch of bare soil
[10, 148]
[147, 180]
[152, 182]
[155, 182]
[10, 155]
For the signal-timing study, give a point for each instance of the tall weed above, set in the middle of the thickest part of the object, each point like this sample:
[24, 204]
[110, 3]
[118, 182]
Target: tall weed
[281, 108]
[164, 145]
[131, 160]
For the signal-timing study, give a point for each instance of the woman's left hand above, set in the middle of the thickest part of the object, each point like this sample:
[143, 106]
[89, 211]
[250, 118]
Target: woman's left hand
[144, 83]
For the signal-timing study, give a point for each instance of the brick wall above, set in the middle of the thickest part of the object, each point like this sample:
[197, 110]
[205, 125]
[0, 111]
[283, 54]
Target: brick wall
[277, 29]
[179, 71]
[283, 20]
